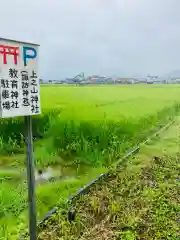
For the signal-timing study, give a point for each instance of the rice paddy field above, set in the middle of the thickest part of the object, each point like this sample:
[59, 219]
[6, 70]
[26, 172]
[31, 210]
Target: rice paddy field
[81, 132]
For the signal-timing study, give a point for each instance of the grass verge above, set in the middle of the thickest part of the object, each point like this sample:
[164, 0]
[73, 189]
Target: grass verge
[139, 201]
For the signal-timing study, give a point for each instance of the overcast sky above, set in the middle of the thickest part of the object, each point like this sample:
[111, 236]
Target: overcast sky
[107, 37]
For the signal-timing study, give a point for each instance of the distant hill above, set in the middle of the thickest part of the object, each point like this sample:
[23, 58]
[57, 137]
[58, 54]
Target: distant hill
[174, 74]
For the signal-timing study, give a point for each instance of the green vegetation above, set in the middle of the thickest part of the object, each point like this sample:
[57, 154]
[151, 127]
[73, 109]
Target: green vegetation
[81, 132]
[138, 201]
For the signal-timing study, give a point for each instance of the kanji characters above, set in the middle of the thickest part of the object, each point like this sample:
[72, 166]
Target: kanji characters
[13, 73]
[34, 74]
[5, 94]
[25, 85]
[35, 109]
[9, 92]
[14, 94]
[20, 90]
[33, 82]
[25, 92]
[14, 104]
[14, 84]
[34, 99]
[25, 102]
[4, 83]
[6, 105]
[34, 90]
[24, 75]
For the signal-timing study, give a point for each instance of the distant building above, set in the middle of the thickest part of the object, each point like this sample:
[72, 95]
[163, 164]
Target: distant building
[125, 80]
[96, 79]
[72, 80]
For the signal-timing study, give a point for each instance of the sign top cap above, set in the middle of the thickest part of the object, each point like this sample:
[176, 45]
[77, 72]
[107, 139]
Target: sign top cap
[23, 42]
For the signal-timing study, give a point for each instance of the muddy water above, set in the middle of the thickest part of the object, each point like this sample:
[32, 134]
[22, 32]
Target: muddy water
[47, 175]
[41, 176]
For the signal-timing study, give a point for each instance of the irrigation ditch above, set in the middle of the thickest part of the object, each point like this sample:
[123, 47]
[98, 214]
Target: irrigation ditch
[44, 221]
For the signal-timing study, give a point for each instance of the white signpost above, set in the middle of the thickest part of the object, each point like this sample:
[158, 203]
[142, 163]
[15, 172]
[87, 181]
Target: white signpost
[20, 96]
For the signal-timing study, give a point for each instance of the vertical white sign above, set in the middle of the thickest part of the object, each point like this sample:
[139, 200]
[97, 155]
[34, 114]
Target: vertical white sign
[19, 79]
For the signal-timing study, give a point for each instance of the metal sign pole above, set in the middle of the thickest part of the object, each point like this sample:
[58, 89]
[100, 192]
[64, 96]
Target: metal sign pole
[19, 70]
[30, 177]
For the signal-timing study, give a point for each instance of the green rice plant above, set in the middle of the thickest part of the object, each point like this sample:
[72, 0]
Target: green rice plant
[10, 146]
[84, 128]
[108, 102]
[12, 131]
[102, 143]
[12, 199]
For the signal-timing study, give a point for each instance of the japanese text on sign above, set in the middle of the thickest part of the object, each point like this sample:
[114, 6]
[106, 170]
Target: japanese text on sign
[19, 79]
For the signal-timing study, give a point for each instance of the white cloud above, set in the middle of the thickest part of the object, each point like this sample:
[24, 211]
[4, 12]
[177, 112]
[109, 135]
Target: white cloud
[97, 36]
